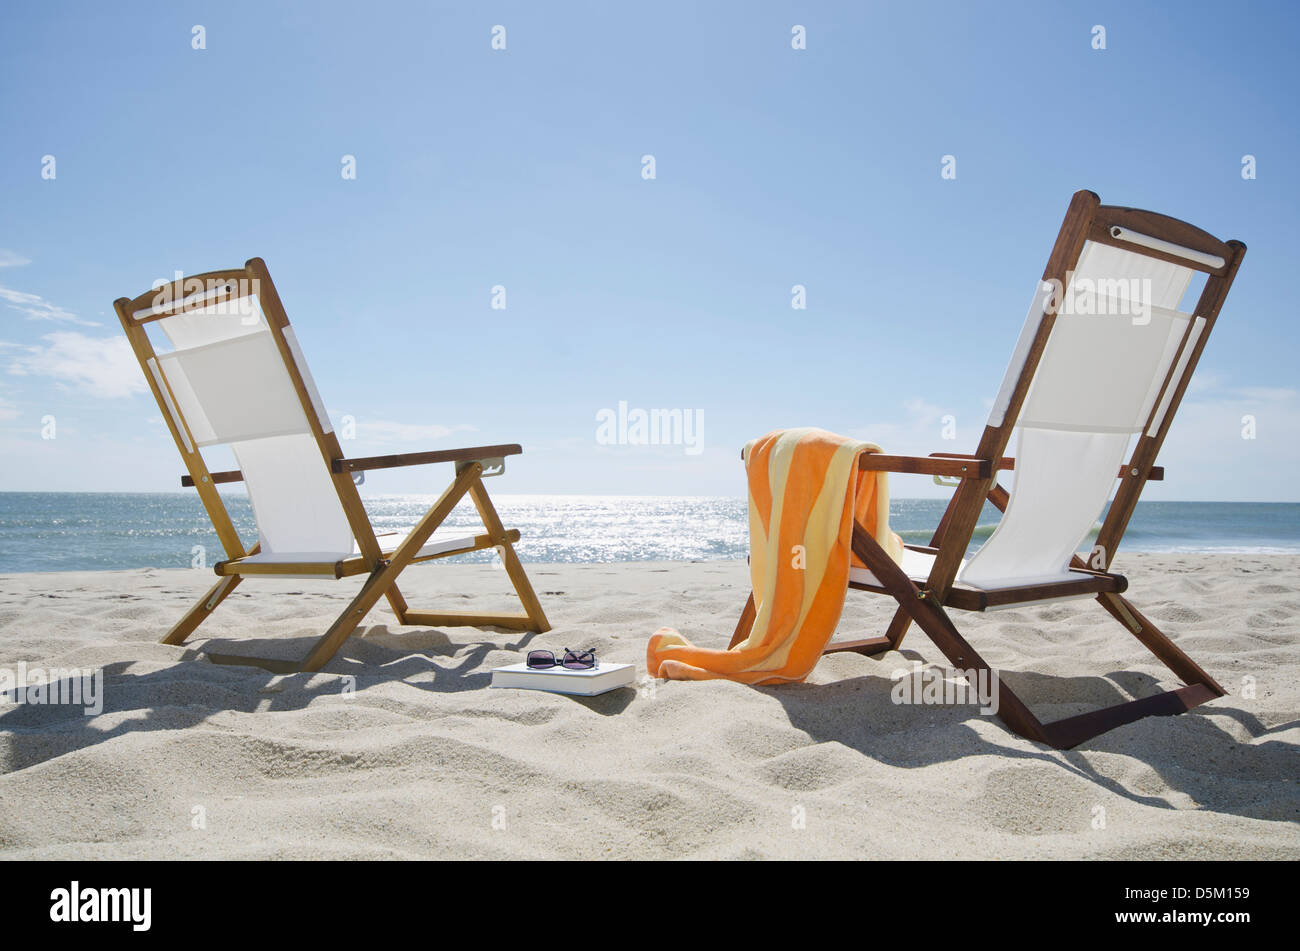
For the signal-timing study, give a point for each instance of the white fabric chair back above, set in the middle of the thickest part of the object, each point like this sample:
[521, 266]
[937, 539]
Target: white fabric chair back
[1109, 353]
[227, 382]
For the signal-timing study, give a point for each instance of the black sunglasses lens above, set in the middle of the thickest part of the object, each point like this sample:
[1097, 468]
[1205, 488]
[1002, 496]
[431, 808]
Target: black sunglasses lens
[541, 659]
[583, 660]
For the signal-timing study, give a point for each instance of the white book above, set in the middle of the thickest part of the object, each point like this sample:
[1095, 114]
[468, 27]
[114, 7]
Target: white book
[581, 683]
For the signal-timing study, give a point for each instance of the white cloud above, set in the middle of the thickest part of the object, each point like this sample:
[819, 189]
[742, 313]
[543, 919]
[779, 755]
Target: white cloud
[1204, 383]
[36, 307]
[1268, 394]
[391, 431]
[101, 366]
[918, 429]
[1236, 443]
[8, 410]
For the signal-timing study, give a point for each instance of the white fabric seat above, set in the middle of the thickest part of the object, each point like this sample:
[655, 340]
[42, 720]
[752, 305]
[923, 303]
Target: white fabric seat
[915, 564]
[389, 542]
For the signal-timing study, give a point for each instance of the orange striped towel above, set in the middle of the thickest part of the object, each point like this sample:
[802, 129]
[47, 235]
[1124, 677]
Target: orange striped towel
[805, 491]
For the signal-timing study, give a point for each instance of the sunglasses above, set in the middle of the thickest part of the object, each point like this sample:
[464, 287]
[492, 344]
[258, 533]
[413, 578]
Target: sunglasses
[571, 660]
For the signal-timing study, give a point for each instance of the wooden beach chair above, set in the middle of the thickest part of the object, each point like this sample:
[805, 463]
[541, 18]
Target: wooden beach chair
[1080, 387]
[234, 375]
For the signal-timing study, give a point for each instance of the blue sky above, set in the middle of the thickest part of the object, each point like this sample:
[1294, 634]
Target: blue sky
[522, 168]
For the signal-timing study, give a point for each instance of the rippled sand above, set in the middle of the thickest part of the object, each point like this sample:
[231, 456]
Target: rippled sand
[398, 749]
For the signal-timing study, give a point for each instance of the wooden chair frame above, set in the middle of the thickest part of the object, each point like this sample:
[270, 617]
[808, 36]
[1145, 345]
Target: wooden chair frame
[382, 570]
[927, 604]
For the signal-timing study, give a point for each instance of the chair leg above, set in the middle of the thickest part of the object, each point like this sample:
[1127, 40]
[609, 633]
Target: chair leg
[201, 610]
[870, 646]
[381, 581]
[1169, 653]
[343, 626]
[1069, 732]
[867, 646]
[514, 568]
[533, 618]
[898, 628]
[397, 603]
[745, 624]
[524, 590]
[934, 620]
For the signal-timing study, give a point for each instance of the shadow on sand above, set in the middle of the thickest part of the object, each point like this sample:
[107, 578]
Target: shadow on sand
[1193, 753]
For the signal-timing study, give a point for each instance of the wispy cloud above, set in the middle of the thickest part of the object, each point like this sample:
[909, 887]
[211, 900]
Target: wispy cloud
[920, 424]
[1218, 391]
[101, 366]
[391, 431]
[36, 307]
[1233, 442]
[1206, 382]
[1268, 394]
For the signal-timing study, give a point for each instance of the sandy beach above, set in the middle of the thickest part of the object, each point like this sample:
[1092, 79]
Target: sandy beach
[399, 749]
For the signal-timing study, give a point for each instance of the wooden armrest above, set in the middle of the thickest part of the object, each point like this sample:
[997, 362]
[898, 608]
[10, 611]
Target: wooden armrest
[1156, 474]
[1006, 462]
[958, 467]
[426, 458]
[390, 462]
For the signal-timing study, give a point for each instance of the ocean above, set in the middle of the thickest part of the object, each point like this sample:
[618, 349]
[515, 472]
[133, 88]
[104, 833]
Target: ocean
[76, 531]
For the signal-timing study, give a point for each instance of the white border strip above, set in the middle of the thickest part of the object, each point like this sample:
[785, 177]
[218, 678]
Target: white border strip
[171, 407]
[186, 303]
[1168, 247]
[316, 402]
[1177, 376]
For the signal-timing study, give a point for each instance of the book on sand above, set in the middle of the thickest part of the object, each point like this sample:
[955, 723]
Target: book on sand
[581, 683]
